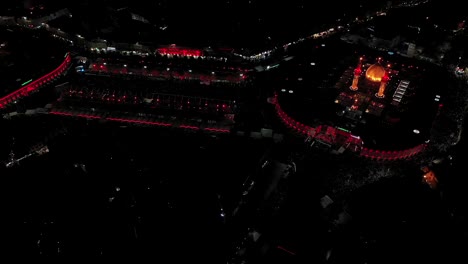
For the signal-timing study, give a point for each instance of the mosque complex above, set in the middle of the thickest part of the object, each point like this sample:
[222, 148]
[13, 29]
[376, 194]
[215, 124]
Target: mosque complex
[377, 105]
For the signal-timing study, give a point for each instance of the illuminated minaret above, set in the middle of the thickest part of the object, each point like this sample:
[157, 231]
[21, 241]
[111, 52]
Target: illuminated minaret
[383, 85]
[357, 74]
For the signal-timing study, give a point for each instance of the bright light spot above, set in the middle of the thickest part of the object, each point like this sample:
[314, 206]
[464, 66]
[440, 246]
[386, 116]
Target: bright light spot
[189, 70]
[291, 91]
[168, 69]
[125, 65]
[323, 45]
[416, 131]
[312, 63]
[283, 90]
[117, 189]
[145, 67]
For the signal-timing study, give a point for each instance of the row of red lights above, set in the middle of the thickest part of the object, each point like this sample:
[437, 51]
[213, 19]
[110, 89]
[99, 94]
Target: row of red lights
[173, 74]
[291, 123]
[34, 85]
[392, 155]
[365, 152]
[180, 52]
[126, 120]
[224, 107]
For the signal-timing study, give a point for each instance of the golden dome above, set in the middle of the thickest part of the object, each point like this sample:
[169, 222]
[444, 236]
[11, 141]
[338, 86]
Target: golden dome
[375, 73]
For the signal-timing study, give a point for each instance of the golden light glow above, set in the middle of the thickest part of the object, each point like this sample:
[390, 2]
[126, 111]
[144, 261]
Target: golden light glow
[380, 93]
[354, 85]
[375, 73]
[430, 178]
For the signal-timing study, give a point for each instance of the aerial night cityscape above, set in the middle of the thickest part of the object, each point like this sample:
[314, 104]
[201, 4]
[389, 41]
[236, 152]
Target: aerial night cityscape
[234, 131]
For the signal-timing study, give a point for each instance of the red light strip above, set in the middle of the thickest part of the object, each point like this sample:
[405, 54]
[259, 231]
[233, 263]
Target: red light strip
[138, 121]
[189, 127]
[219, 130]
[60, 113]
[89, 116]
[365, 152]
[285, 250]
[34, 85]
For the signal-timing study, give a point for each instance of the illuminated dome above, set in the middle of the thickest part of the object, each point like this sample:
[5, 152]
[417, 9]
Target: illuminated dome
[375, 73]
